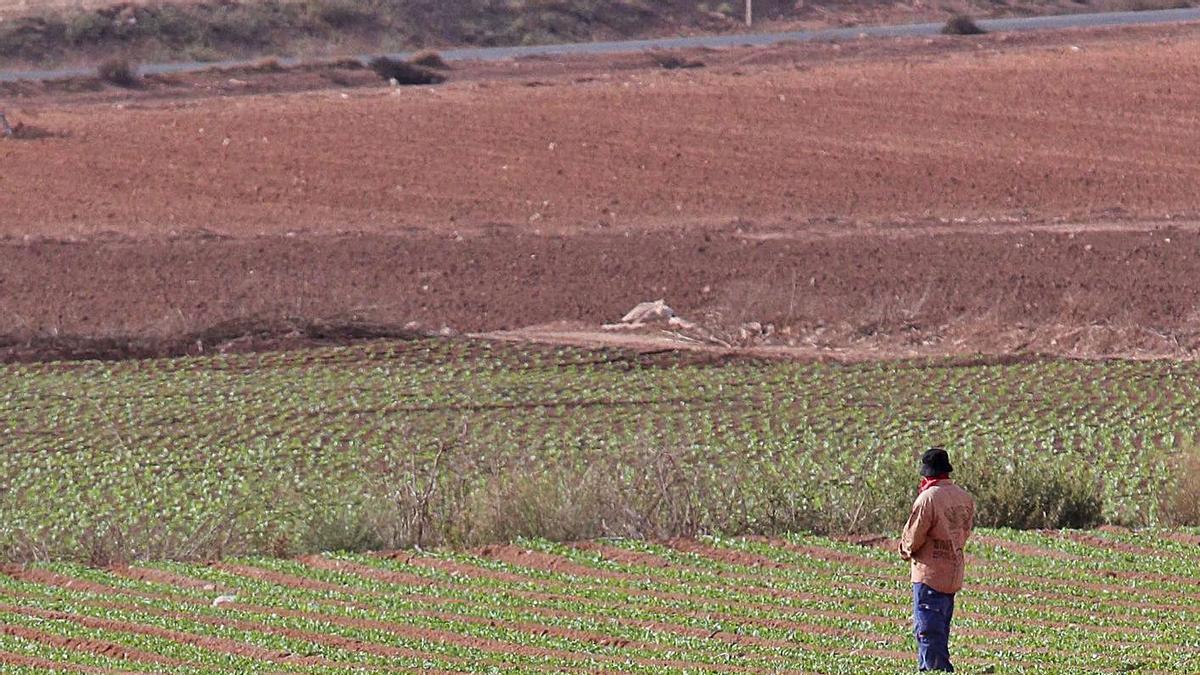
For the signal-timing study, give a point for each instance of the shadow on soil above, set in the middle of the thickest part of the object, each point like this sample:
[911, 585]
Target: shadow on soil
[238, 336]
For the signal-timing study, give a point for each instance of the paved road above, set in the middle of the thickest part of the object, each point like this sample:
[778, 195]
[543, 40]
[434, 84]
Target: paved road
[712, 41]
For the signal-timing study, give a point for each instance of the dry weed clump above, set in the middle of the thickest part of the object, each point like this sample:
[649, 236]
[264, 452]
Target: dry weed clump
[119, 72]
[1180, 503]
[676, 62]
[644, 492]
[403, 72]
[429, 58]
[962, 25]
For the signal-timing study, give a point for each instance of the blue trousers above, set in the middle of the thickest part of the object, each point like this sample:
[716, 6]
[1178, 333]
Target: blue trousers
[932, 611]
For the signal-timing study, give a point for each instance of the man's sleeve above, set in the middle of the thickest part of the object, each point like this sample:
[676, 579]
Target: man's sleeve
[916, 529]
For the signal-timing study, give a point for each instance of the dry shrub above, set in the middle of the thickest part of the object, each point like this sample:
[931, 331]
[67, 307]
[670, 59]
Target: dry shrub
[29, 132]
[119, 72]
[403, 72]
[1180, 503]
[429, 59]
[1027, 495]
[676, 62]
[347, 64]
[644, 492]
[962, 25]
[267, 65]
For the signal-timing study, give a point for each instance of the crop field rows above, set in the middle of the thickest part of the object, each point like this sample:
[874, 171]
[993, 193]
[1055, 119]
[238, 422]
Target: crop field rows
[1064, 602]
[273, 445]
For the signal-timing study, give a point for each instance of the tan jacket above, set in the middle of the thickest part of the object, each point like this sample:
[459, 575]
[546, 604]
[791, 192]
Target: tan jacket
[941, 521]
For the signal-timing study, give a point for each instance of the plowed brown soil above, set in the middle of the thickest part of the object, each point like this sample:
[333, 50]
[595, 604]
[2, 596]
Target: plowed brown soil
[940, 196]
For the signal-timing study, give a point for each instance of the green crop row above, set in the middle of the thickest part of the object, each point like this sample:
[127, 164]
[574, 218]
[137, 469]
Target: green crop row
[462, 442]
[806, 603]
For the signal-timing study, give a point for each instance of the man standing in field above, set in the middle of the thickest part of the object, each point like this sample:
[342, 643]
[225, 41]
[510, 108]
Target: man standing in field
[933, 540]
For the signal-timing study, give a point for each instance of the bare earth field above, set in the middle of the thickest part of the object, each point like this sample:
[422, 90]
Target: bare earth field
[935, 196]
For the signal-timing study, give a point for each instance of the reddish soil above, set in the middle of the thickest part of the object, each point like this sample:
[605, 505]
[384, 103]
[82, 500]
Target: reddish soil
[1025, 549]
[884, 197]
[279, 578]
[167, 578]
[454, 567]
[822, 553]
[386, 576]
[623, 556]
[35, 575]
[1104, 543]
[522, 557]
[724, 555]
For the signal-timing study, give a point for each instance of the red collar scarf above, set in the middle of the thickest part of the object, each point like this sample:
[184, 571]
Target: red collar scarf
[930, 481]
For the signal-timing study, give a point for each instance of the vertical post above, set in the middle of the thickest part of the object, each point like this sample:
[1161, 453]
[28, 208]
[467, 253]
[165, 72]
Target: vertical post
[749, 13]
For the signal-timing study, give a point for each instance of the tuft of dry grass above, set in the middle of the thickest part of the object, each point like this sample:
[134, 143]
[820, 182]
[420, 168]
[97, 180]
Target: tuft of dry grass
[429, 59]
[1180, 503]
[676, 62]
[962, 25]
[119, 72]
[403, 72]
